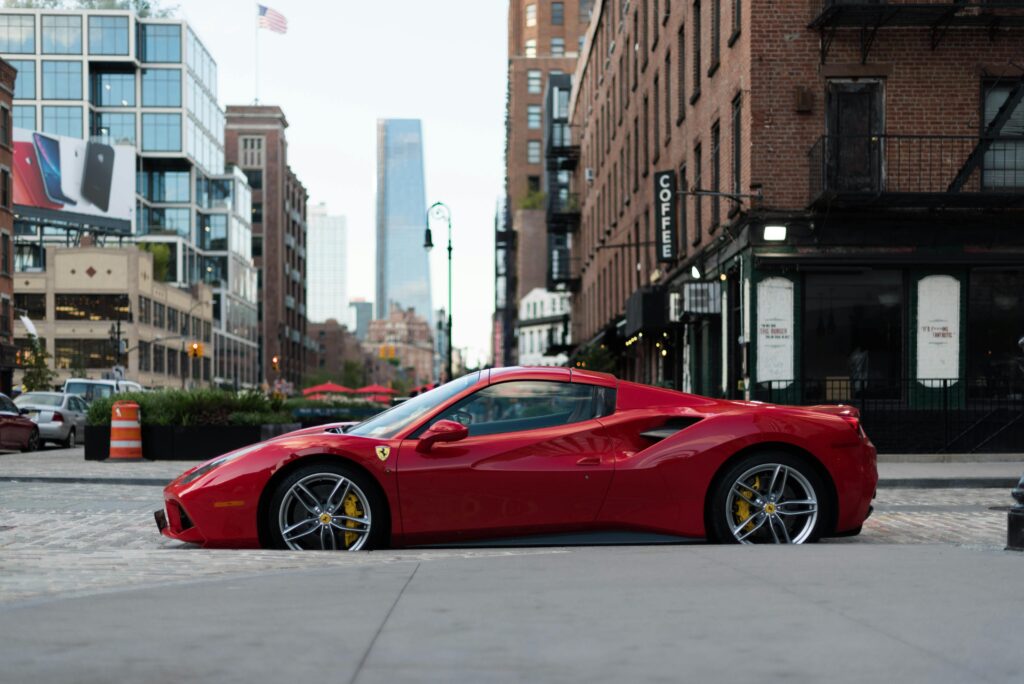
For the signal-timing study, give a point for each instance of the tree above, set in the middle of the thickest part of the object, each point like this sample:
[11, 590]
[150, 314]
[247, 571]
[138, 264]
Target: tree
[143, 8]
[161, 259]
[354, 374]
[38, 374]
[595, 358]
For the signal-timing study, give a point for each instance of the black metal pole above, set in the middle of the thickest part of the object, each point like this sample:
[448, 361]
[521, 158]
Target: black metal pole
[1015, 520]
[448, 351]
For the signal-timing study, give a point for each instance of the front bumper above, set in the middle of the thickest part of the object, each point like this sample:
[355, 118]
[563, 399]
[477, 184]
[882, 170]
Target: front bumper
[173, 522]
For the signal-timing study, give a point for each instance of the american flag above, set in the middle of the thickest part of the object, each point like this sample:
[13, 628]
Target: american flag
[272, 19]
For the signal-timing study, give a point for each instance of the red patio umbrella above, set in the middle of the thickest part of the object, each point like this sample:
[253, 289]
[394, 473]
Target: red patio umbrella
[327, 388]
[376, 389]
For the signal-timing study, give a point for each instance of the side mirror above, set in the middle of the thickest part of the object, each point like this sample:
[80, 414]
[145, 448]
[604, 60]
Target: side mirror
[23, 411]
[442, 431]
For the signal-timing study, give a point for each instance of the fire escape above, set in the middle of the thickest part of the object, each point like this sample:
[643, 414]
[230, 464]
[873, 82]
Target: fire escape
[866, 167]
[563, 206]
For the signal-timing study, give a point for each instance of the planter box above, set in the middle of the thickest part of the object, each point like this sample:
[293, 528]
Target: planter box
[184, 443]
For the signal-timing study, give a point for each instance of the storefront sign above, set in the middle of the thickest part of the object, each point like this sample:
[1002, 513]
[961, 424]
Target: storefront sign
[665, 214]
[775, 331]
[938, 328]
[702, 298]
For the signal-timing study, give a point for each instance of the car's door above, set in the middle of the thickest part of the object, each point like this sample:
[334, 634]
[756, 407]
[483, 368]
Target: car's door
[536, 459]
[8, 430]
[72, 413]
[14, 428]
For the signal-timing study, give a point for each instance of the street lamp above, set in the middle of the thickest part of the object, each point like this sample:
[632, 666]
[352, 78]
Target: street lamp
[440, 210]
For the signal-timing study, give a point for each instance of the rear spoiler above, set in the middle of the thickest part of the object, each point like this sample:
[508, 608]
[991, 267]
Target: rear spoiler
[841, 410]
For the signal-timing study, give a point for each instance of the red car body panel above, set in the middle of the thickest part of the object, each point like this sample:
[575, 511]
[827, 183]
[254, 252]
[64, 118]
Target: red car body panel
[598, 474]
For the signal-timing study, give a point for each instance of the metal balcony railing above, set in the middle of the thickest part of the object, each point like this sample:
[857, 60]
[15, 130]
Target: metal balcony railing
[563, 211]
[913, 12]
[917, 171]
[563, 269]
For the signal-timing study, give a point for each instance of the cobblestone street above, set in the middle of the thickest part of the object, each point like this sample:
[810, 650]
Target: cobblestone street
[67, 538]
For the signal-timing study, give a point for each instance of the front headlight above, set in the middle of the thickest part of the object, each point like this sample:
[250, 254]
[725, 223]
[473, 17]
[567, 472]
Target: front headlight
[203, 470]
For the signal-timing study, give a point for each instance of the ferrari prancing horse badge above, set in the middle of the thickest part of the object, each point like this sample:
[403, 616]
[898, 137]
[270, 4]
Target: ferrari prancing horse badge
[383, 452]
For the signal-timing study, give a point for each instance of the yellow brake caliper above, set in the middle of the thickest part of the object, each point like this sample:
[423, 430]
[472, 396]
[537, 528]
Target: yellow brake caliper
[742, 511]
[354, 510]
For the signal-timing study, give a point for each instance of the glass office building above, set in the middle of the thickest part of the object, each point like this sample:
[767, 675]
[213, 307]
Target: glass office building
[326, 268]
[112, 77]
[225, 239]
[403, 272]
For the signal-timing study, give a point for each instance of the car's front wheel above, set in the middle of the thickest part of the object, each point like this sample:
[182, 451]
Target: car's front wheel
[327, 507]
[32, 444]
[768, 498]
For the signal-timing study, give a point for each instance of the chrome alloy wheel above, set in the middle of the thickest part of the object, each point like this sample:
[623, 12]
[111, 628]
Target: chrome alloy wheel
[325, 511]
[771, 503]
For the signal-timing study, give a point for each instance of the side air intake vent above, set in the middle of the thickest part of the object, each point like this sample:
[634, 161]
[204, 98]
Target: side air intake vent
[670, 427]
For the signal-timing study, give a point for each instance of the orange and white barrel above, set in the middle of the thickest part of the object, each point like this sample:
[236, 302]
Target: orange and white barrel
[125, 431]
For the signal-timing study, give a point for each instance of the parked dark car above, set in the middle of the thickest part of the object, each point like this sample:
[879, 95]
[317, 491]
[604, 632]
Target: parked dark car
[17, 431]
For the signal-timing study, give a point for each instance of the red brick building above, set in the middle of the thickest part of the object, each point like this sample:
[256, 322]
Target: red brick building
[255, 141]
[336, 346]
[7, 348]
[806, 201]
[403, 340]
[544, 39]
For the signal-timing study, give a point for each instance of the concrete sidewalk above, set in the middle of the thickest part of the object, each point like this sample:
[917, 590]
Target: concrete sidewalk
[835, 613]
[69, 465]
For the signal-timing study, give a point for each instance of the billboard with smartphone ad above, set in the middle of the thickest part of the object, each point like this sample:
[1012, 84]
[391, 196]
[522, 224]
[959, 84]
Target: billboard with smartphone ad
[69, 180]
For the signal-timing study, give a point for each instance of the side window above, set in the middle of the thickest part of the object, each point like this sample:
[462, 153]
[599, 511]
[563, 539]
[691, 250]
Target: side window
[7, 405]
[526, 405]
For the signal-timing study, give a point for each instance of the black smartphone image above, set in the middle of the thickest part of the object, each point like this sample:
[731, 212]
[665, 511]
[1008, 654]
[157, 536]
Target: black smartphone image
[48, 157]
[97, 175]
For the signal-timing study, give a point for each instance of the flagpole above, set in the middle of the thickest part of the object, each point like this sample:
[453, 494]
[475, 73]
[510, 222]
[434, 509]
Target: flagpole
[256, 61]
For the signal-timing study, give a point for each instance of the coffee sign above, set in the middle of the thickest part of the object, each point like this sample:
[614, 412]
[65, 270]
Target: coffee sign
[665, 215]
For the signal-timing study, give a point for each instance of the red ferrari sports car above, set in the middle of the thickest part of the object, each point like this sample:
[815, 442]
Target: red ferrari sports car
[518, 452]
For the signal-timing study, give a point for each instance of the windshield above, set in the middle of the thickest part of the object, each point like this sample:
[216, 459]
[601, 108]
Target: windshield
[38, 399]
[88, 390]
[389, 423]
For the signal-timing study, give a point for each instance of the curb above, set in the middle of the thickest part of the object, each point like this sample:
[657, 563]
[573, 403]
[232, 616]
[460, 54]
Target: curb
[135, 481]
[949, 482]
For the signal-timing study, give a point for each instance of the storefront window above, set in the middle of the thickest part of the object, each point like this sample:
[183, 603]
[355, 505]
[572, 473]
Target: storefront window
[995, 330]
[852, 332]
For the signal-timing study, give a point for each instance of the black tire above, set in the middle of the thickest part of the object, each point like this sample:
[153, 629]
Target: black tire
[366, 490]
[33, 441]
[800, 475]
[69, 443]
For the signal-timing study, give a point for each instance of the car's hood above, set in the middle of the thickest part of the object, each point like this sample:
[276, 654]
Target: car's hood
[298, 439]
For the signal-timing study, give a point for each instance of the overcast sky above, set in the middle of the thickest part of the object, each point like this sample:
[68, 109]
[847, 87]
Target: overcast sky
[345, 63]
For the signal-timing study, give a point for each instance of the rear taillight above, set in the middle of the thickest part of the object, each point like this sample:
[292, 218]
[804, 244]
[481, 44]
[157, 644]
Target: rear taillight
[853, 422]
[58, 417]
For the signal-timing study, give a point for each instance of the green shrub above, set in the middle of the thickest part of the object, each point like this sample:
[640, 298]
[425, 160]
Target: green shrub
[195, 407]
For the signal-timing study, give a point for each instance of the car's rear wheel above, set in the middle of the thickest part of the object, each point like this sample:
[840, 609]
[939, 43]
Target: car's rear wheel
[768, 498]
[33, 441]
[327, 507]
[69, 443]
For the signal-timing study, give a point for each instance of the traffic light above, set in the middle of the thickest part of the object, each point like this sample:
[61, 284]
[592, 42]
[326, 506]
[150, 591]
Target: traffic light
[275, 362]
[195, 350]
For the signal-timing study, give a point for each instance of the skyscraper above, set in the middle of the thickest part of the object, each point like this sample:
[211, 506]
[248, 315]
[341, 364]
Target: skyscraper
[403, 272]
[326, 268]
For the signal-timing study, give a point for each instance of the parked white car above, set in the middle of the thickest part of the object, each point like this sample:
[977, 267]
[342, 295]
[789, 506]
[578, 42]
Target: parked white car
[59, 417]
[94, 389]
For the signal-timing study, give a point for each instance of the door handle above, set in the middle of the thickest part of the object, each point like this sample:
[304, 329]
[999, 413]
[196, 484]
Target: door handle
[589, 461]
